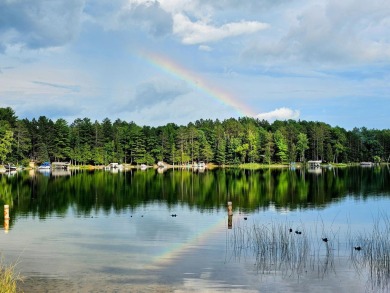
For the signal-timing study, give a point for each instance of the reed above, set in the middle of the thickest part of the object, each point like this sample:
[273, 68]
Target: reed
[8, 278]
[371, 251]
[277, 247]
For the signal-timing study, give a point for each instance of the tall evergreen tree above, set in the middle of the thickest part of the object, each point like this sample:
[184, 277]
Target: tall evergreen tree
[205, 150]
[281, 146]
[6, 139]
[268, 147]
[21, 149]
[302, 146]
[61, 149]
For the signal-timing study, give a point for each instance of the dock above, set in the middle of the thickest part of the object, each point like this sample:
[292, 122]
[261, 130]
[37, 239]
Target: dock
[60, 165]
[314, 164]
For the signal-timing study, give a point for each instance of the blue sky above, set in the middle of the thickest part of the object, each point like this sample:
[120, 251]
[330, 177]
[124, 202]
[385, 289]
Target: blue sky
[322, 60]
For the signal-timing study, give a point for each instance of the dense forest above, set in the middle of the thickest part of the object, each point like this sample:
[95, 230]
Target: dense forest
[232, 141]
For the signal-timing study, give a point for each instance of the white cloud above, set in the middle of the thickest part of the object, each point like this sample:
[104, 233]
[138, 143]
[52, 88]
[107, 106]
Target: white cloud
[199, 32]
[205, 48]
[326, 33]
[180, 6]
[279, 114]
[247, 4]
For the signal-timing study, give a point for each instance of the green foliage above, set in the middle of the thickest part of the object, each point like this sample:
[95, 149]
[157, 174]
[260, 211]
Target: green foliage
[377, 159]
[302, 146]
[269, 147]
[205, 150]
[61, 148]
[6, 140]
[21, 148]
[232, 141]
[8, 115]
[282, 147]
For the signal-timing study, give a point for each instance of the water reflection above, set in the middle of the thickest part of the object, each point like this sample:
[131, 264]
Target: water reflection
[45, 193]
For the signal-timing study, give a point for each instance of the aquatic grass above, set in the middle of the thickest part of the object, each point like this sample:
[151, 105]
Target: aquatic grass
[327, 244]
[371, 251]
[8, 278]
[277, 247]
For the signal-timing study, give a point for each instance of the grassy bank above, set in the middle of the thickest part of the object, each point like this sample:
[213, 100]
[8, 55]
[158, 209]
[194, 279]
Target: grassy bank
[255, 166]
[8, 278]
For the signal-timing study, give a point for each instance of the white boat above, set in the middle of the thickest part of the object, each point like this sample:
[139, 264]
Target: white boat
[10, 167]
[314, 164]
[45, 166]
[366, 164]
[201, 164]
[115, 166]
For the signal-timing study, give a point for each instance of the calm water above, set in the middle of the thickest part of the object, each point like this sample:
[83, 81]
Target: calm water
[145, 231]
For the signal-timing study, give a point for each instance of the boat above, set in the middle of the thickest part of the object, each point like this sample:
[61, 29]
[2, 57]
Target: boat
[160, 164]
[10, 167]
[314, 164]
[201, 164]
[366, 164]
[45, 166]
[114, 166]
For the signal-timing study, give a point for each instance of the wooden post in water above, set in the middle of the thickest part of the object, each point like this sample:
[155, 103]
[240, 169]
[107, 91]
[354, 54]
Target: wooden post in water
[230, 215]
[6, 225]
[6, 218]
[6, 211]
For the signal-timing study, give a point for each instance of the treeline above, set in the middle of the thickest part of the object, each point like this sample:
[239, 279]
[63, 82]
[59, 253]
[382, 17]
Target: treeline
[232, 141]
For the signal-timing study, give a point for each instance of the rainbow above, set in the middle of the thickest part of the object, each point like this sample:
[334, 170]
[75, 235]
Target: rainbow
[196, 81]
[173, 252]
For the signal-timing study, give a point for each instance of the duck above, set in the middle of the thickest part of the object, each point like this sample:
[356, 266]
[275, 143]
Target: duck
[325, 239]
[358, 248]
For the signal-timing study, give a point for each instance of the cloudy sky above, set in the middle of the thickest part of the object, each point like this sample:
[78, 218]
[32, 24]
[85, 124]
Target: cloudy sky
[155, 62]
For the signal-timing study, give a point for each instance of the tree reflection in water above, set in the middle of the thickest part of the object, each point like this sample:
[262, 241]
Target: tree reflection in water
[88, 191]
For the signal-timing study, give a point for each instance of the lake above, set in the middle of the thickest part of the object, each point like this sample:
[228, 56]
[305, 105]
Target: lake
[322, 230]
